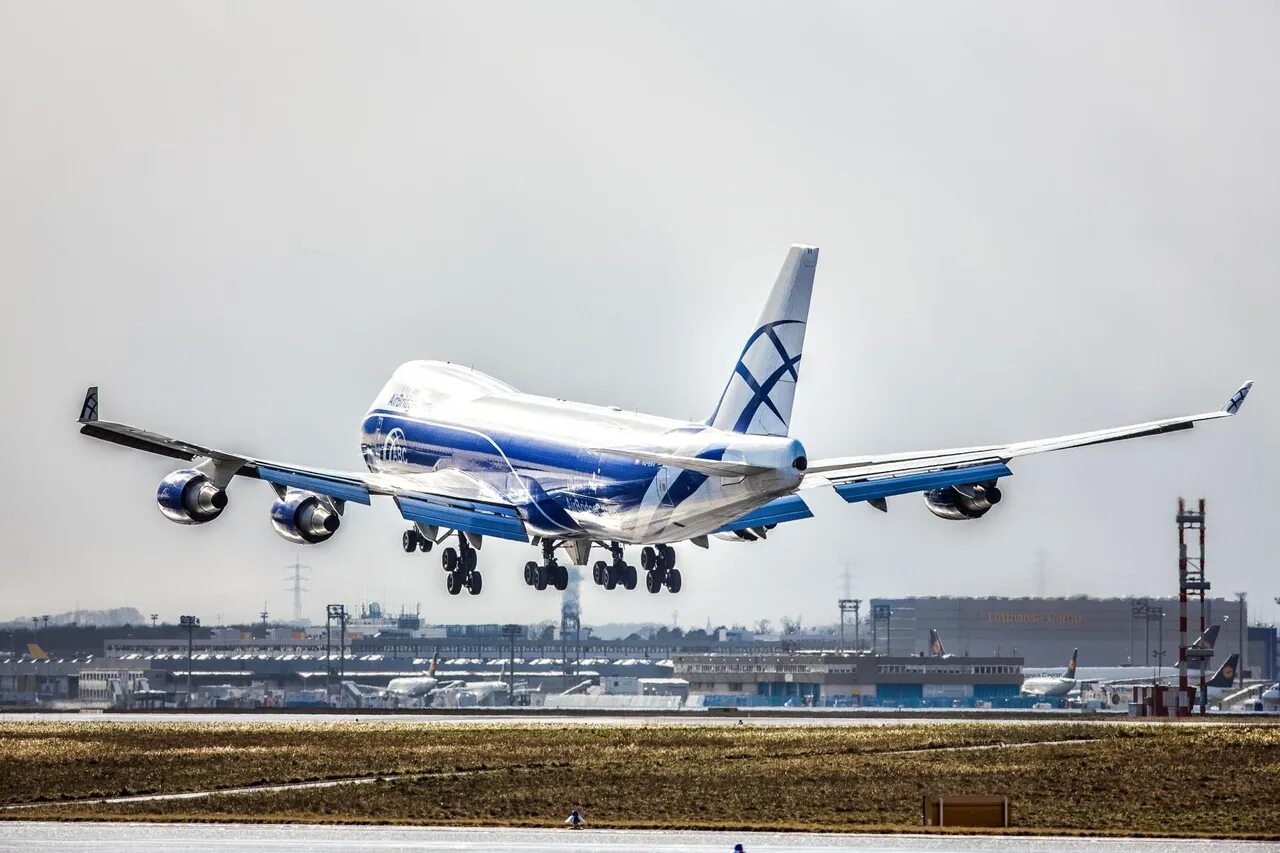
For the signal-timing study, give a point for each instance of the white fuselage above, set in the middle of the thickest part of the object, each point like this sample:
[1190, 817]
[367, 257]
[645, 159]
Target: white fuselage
[559, 462]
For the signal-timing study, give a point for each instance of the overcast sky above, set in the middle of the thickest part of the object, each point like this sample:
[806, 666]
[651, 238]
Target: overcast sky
[237, 219]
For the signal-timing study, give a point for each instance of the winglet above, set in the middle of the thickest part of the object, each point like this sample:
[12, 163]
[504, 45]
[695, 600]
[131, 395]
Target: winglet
[89, 411]
[1237, 399]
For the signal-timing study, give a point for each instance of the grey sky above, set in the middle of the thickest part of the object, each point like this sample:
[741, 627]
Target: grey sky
[239, 218]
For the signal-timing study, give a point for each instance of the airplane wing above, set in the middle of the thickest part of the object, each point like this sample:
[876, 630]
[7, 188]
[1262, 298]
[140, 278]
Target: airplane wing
[873, 478]
[449, 499]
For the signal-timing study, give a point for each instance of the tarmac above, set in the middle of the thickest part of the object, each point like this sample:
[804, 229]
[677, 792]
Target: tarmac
[198, 838]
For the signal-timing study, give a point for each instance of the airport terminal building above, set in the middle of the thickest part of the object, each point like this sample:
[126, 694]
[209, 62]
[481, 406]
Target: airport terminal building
[827, 679]
[1043, 631]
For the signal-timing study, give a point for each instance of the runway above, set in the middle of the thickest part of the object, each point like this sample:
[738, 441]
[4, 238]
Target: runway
[197, 838]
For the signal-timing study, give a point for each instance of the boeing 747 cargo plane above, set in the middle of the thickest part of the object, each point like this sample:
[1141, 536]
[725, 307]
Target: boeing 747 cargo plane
[467, 456]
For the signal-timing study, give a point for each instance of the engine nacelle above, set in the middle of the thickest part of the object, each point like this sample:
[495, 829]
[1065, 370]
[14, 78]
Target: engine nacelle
[304, 518]
[961, 503]
[188, 496]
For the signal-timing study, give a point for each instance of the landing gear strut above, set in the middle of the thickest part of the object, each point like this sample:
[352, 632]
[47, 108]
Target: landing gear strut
[550, 573]
[609, 575]
[461, 566]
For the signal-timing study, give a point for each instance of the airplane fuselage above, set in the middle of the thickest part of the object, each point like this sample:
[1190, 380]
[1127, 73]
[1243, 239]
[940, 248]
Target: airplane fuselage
[547, 457]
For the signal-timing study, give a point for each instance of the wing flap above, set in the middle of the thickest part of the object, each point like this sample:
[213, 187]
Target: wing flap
[483, 519]
[342, 489]
[901, 484]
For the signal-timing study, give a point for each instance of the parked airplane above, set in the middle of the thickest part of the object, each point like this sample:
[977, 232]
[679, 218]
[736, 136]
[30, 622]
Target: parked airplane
[1226, 674]
[1051, 685]
[463, 454]
[935, 645]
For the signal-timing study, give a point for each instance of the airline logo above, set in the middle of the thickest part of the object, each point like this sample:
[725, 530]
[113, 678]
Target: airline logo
[1228, 671]
[393, 447]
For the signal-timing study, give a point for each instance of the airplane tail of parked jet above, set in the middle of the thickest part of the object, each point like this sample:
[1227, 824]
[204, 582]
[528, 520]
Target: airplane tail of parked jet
[1208, 638]
[757, 399]
[36, 652]
[1226, 674]
[935, 644]
[1071, 667]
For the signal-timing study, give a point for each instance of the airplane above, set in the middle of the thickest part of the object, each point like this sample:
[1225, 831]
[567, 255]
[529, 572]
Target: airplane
[1051, 685]
[1226, 674]
[466, 455]
[935, 645]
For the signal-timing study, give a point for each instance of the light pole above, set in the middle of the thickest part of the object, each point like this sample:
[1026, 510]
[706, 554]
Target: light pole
[190, 623]
[847, 604]
[1244, 630]
[332, 612]
[511, 632]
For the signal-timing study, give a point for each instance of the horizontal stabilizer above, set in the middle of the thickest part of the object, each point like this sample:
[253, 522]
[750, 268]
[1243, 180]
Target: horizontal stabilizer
[786, 508]
[710, 467]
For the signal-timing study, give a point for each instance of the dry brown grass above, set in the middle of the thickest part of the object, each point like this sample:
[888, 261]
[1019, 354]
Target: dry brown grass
[1164, 779]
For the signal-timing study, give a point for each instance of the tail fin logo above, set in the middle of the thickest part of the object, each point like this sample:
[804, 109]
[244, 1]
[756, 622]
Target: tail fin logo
[757, 398]
[761, 390]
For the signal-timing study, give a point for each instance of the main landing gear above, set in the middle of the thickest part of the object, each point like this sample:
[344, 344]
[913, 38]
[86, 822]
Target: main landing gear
[550, 573]
[461, 566]
[658, 561]
[660, 568]
[412, 540]
[610, 575]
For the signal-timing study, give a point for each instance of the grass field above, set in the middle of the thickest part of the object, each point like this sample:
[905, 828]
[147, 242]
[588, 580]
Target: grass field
[1068, 777]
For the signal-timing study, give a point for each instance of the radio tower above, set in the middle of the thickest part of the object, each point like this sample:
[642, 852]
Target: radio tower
[298, 581]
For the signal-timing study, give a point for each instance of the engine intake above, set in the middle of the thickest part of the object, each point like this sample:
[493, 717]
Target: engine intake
[188, 496]
[304, 518]
[961, 503]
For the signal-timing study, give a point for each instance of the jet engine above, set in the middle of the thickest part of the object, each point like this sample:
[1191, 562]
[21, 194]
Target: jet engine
[188, 496]
[304, 518]
[960, 503]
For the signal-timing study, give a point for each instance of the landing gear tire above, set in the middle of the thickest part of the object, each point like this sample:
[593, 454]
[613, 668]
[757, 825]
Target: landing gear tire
[666, 558]
[673, 581]
[409, 541]
[531, 573]
[470, 559]
[540, 578]
[562, 578]
[628, 576]
[453, 583]
[652, 582]
[425, 544]
[474, 583]
[610, 577]
[648, 558]
[449, 560]
[597, 572]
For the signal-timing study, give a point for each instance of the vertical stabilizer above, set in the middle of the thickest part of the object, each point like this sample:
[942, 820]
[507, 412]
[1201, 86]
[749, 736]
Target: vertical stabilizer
[1071, 667]
[935, 644]
[757, 399]
[1226, 674]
